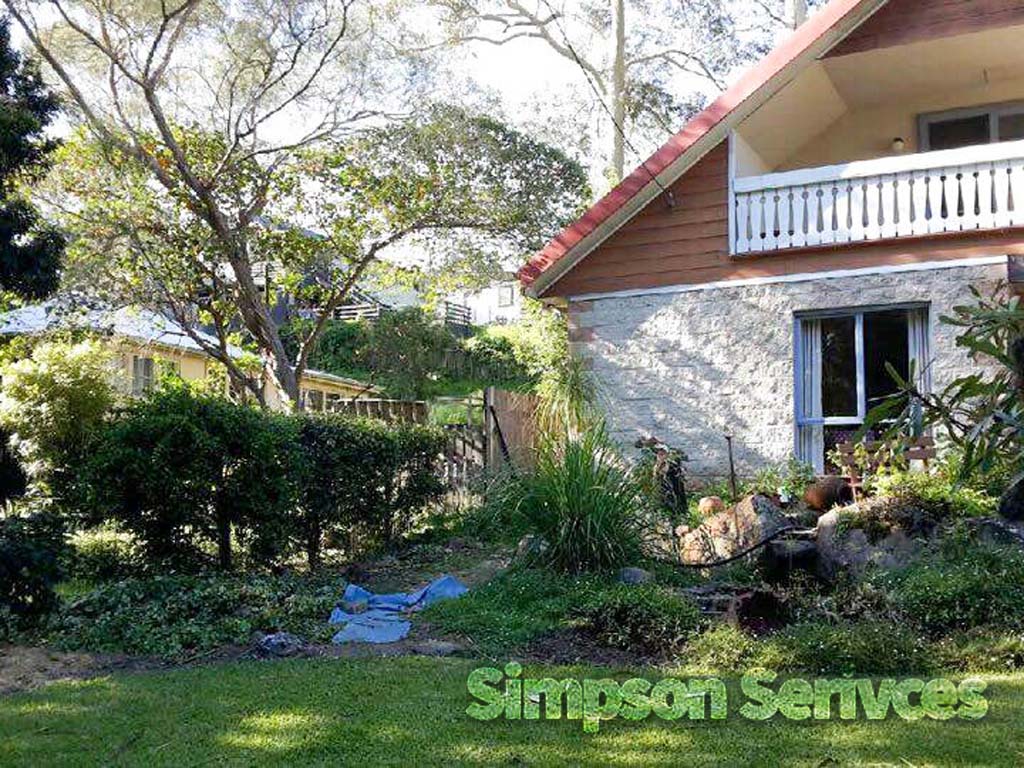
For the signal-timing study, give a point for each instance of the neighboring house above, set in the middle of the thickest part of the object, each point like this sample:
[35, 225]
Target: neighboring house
[499, 303]
[756, 273]
[147, 341]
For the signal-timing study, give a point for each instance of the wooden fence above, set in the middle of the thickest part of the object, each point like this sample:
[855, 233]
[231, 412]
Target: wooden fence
[510, 426]
[504, 432]
[414, 411]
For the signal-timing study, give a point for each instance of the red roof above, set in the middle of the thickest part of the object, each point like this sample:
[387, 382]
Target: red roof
[748, 84]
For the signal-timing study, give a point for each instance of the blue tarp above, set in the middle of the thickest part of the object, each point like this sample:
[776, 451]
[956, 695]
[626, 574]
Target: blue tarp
[384, 621]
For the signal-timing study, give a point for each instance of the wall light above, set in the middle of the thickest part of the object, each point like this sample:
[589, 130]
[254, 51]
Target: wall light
[898, 144]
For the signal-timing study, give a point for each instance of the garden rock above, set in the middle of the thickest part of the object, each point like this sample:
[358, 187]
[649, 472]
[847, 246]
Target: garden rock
[998, 532]
[850, 550]
[435, 648]
[530, 547]
[726, 534]
[710, 505]
[633, 576]
[1011, 503]
[279, 644]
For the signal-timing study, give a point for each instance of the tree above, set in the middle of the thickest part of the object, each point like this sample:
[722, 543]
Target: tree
[30, 251]
[207, 189]
[632, 53]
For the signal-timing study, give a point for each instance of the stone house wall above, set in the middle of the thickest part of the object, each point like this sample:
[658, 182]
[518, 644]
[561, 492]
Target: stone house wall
[690, 365]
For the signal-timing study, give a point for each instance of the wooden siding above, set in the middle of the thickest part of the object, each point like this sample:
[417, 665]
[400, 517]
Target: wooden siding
[907, 21]
[689, 244]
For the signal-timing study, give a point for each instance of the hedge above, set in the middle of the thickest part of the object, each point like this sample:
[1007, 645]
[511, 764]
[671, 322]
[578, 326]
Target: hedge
[191, 474]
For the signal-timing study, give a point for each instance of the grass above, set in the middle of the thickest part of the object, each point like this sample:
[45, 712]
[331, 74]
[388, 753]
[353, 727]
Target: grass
[411, 712]
[511, 610]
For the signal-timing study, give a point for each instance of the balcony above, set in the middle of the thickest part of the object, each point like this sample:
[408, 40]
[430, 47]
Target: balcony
[971, 188]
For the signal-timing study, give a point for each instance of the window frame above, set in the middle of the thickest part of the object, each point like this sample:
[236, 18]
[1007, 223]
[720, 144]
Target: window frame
[801, 422]
[509, 301]
[141, 384]
[993, 111]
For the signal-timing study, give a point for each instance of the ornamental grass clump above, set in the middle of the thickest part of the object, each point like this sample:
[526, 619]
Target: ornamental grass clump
[582, 502]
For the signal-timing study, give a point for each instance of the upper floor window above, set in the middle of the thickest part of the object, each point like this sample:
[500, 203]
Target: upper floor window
[974, 125]
[506, 295]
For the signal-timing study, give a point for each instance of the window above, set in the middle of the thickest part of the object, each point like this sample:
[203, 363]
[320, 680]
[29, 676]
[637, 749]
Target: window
[966, 127]
[314, 400]
[506, 295]
[842, 370]
[142, 375]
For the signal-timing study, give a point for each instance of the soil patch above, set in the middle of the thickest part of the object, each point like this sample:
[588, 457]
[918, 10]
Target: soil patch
[576, 646]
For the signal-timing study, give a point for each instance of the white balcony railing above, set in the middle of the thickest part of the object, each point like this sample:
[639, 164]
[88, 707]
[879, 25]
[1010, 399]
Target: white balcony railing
[971, 188]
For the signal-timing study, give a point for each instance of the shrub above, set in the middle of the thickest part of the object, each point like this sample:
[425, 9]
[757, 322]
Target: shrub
[985, 649]
[722, 648]
[936, 492]
[181, 471]
[492, 358]
[30, 550]
[862, 647]
[365, 477]
[959, 588]
[405, 350]
[789, 480]
[53, 401]
[643, 616]
[103, 554]
[175, 616]
[582, 503]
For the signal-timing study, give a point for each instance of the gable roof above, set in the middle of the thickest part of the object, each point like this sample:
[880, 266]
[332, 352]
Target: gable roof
[698, 137]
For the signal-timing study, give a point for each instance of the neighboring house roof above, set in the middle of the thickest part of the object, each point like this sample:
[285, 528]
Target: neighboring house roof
[145, 326]
[699, 136]
[342, 380]
[142, 325]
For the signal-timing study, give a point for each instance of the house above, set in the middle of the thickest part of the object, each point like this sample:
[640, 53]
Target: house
[498, 303]
[754, 275]
[146, 342]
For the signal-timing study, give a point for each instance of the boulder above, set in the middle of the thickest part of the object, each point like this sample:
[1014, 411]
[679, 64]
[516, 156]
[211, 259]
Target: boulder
[710, 505]
[1011, 503]
[633, 576]
[842, 549]
[997, 531]
[279, 644]
[727, 533]
[827, 492]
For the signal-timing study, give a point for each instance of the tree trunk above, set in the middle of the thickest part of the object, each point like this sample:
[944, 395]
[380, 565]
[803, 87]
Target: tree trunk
[314, 537]
[224, 542]
[618, 91]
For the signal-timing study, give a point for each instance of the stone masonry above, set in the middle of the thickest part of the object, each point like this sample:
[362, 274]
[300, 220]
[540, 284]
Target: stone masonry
[689, 366]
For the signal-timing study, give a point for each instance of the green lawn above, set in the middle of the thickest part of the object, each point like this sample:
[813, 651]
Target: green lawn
[411, 712]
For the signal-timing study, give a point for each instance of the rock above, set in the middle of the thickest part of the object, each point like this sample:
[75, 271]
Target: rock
[710, 505]
[997, 532]
[279, 644]
[750, 521]
[828, 492]
[1011, 503]
[850, 550]
[435, 648]
[530, 547]
[633, 576]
